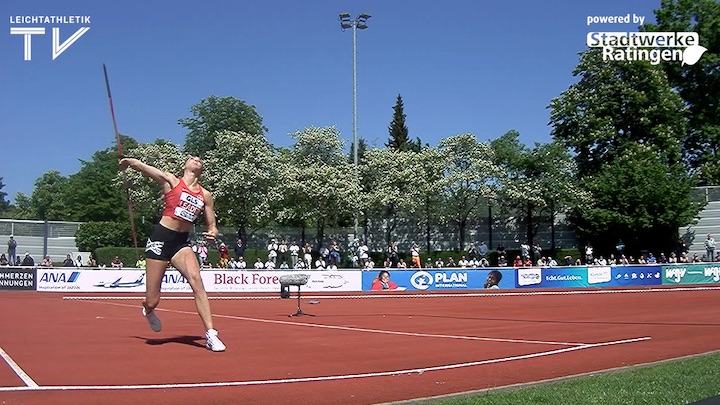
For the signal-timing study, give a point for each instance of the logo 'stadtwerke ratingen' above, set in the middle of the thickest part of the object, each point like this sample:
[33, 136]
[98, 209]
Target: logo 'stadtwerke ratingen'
[654, 47]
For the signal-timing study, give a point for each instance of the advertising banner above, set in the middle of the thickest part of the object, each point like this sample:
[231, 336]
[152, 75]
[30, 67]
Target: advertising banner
[584, 277]
[17, 278]
[697, 273]
[77, 280]
[259, 281]
[440, 279]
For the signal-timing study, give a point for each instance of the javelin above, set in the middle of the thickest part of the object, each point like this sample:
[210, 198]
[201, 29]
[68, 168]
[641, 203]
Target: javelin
[120, 155]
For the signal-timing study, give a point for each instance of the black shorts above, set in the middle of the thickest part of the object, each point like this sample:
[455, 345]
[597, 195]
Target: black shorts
[164, 243]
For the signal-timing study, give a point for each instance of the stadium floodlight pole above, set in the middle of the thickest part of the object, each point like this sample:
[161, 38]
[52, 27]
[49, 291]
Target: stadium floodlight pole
[359, 23]
[121, 155]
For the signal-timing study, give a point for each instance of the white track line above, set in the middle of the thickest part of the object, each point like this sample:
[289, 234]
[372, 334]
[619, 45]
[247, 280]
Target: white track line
[19, 371]
[354, 329]
[321, 378]
[501, 293]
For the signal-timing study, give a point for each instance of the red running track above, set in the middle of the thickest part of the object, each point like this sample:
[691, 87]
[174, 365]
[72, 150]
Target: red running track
[355, 351]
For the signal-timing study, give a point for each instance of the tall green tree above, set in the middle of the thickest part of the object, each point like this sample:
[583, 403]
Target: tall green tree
[615, 108]
[4, 204]
[213, 115]
[536, 184]
[399, 134]
[641, 200]
[92, 193]
[697, 84]
[47, 202]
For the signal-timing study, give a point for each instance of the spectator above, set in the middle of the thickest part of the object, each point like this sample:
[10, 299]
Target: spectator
[710, 248]
[68, 262]
[518, 262]
[12, 247]
[241, 264]
[78, 261]
[91, 262]
[651, 259]
[223, 254]
[620, 247]
[141, 263]
[472, 253]
[393, 255]
[28, 261]
[294, 249]
[3, 260]
[116, 262]
[502, 261]
[259, 264]
[272, 249]
[483, 249]
[415, 253]
[282, 251]
[284, 265]
[551, 262]
[524, 252]
[202, 251]
[362, 252]
[307, 255]
[589, 254]
[239, 249]
[46, 261]
[402, 264]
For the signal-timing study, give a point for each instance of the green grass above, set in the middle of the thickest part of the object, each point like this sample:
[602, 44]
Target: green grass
[671, 383]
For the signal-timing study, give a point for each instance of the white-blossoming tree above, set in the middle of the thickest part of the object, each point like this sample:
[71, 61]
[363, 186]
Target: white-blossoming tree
[319, 183]
[469, 176]
[243, 173]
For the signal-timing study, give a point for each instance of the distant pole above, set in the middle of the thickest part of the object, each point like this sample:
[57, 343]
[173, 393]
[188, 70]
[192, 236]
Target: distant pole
[359, 23]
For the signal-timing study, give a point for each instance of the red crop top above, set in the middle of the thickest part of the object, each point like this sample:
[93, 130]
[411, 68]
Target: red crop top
[184, 204]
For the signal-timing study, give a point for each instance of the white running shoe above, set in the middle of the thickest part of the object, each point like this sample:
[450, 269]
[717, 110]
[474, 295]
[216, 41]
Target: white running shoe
[213, 342]
[153, 320]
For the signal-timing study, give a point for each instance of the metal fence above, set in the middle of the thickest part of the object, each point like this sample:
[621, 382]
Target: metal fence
[706, 194]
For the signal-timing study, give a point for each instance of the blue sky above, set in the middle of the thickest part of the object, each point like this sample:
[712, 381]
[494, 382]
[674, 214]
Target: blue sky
[483, 67]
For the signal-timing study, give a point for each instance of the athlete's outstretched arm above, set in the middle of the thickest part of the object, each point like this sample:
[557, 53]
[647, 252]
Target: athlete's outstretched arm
[154, 173]
[212, 231]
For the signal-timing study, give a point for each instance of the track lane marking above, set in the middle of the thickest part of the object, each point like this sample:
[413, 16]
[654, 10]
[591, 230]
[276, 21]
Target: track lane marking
[17, 369]
[354, 329]
[321, 378]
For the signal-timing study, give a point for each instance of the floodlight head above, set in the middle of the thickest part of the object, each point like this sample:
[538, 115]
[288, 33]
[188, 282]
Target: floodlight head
[344, 25]
[344, 16]
[361, 25]
[363, 16]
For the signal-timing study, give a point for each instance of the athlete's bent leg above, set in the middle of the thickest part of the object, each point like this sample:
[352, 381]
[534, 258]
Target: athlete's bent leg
[154, 271]
[187, 264]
